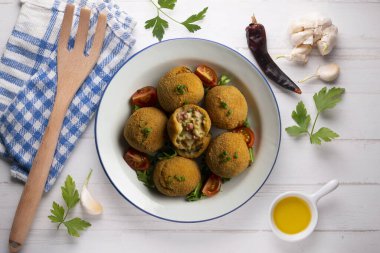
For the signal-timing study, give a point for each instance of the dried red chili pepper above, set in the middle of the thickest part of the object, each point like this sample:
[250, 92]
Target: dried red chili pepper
[257, 43]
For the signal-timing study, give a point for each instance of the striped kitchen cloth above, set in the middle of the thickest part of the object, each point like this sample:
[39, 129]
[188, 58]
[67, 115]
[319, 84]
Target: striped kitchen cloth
[28, 79]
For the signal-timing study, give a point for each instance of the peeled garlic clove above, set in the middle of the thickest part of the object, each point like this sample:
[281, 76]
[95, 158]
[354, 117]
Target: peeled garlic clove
[302, 49]
[311, 21]
[300, 24]
[91, 205]
[328, 40]
[299, 54]
[295, 27]
[308, 21]
[298, 38]
[322, 21]
[327, 73]
[318, 20]
[308, 41]
[299, 58]
[318, 33]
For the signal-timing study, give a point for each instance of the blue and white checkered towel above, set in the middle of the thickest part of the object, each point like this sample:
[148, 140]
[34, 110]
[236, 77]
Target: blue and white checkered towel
[28, 80]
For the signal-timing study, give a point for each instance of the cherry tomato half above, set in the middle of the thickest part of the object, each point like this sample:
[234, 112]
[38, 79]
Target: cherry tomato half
[207, 75]
[249, 136]
[212, 185]
[136, 159]
[145, 97]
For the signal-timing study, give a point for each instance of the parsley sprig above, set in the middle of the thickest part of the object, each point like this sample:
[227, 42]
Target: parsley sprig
[324, 100]
[181, 89]
[159, 25]
[59, 215]
[224, 105]
[196, 194]
[146, 177]
[146, 132]
[224, 157]
[224, 79]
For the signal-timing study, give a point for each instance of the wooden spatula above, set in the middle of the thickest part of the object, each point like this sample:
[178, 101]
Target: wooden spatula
[73, 68]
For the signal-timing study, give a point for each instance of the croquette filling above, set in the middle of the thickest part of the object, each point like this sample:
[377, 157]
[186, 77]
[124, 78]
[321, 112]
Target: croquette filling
[193, 129]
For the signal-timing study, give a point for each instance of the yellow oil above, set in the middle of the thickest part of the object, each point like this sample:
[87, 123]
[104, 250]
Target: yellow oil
[292, 215]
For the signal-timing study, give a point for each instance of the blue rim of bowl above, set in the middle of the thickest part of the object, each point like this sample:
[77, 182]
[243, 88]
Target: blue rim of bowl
[279, 140]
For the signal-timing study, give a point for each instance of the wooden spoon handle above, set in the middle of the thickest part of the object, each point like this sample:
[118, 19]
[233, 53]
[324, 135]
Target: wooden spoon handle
[38, 174]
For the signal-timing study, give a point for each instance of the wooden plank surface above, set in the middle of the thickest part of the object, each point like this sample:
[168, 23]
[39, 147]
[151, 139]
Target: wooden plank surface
[349, 218]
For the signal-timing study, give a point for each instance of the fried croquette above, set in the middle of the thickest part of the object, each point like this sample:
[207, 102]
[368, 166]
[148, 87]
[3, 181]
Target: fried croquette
[176, 176]
[179, 87]
[198, 151]
[226, 106]
[145, 129]
[188, 130]
[228, 155]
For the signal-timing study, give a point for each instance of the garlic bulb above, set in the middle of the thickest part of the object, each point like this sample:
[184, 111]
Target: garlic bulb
[312, 30]
[91, 205]
[298, 38]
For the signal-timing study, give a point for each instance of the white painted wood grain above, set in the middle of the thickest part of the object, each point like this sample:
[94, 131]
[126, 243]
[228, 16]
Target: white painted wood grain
[349, 208]
[194, 241]
[226, 20]
[349, 217]
[9, 10]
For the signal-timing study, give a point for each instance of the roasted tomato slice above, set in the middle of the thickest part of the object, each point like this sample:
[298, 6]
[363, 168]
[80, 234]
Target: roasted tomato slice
[212, 185]
[136, 160]
[145, 97]
[207, 75]
[249, 136]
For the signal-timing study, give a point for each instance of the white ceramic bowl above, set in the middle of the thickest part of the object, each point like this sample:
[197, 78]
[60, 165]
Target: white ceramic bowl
[145, 68]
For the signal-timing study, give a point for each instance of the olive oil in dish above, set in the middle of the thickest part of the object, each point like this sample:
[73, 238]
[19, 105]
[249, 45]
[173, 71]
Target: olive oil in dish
[292, 215]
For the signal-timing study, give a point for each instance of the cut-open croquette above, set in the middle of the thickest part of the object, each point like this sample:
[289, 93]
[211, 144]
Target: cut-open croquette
[198, 151]
[145, 129]
[226, 106]
[176, 176]
[188, 130]
[179, 87]
[228, 155]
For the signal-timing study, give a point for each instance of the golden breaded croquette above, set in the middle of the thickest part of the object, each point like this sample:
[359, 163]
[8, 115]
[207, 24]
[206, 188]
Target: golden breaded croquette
[228, 155]
[188, 130]
[179, 87]
[176, 71]
[176, 176]
[145, 129]
[226, 106]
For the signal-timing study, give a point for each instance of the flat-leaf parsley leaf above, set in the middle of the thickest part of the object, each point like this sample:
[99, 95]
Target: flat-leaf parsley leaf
[75, 225]
[167, 4]
[58, 215]
[324, 134]
[159, 24]
[327, 99]
[324, 100]
[188, 23]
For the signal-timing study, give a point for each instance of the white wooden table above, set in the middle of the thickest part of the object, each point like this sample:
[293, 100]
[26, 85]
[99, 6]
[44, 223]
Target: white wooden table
[349, 217]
